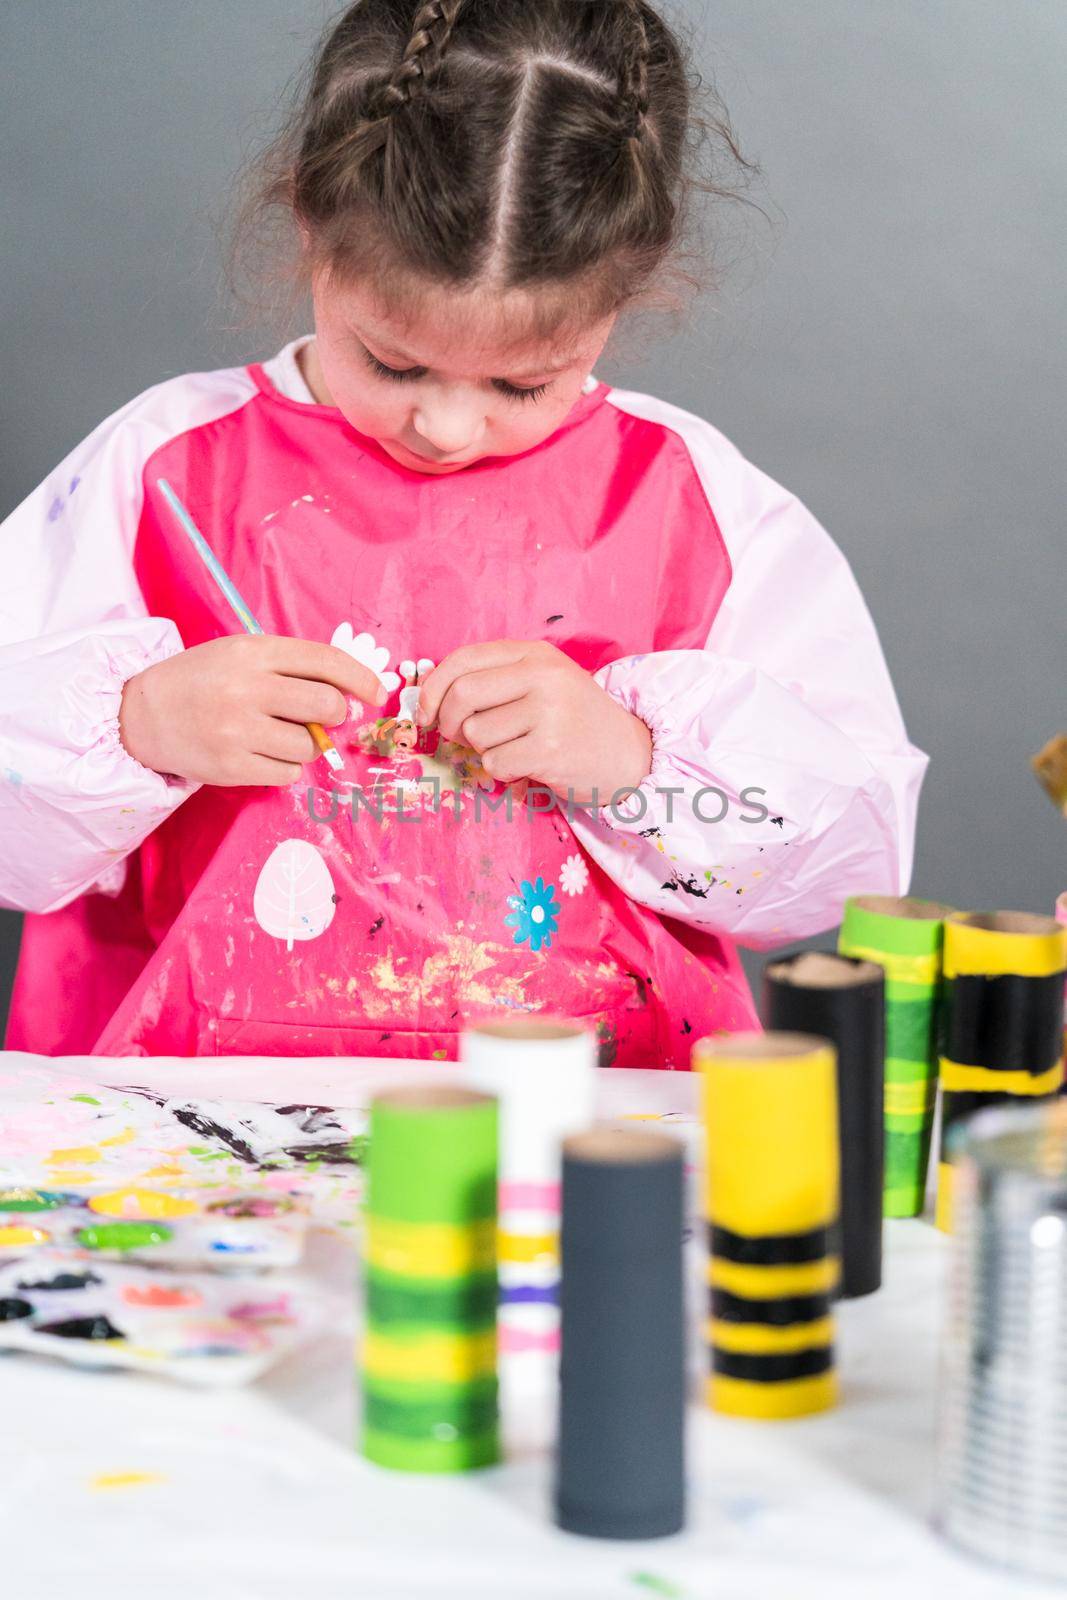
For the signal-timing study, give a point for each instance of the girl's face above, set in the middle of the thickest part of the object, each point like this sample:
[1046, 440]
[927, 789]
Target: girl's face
[448, 384]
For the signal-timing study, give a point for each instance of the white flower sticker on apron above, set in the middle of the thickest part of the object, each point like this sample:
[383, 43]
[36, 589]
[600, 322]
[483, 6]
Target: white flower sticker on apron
[363, 649]
[294, 897]
[573, 875]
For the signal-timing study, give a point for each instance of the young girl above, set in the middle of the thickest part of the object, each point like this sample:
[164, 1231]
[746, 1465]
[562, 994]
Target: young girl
[624, 613]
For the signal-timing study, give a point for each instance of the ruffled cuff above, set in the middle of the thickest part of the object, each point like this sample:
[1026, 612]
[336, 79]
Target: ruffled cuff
[631, 810]
[75, 803]
[108, 748]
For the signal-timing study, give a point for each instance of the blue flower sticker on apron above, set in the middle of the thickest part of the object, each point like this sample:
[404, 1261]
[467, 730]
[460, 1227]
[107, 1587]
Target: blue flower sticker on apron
[534, 914]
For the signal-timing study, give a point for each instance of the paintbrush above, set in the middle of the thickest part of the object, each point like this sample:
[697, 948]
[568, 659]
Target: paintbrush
[248, 622]
[1050, 765]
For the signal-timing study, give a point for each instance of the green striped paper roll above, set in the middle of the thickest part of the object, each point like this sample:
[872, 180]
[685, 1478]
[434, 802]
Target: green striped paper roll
[905, 936]
[428, 1355]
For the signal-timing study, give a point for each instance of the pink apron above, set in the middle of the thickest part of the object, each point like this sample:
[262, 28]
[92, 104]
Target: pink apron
[376, 912]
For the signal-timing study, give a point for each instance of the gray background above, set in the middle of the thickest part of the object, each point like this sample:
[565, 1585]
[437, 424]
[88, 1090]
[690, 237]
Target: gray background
[890, 346]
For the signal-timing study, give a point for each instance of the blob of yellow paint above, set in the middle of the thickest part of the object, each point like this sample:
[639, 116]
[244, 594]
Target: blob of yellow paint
[16, 1234]
[127, 1136]
[125, 1480]
[81, 1156]
[144, 1204]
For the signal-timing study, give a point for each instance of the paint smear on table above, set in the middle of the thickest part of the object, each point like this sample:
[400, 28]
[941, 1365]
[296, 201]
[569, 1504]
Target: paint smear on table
[125, 1480]
[653, 1584]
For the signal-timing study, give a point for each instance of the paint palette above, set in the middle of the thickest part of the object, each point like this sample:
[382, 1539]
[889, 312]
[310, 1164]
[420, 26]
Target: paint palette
[196, 1328]
[60, 1131]
[239, 1231]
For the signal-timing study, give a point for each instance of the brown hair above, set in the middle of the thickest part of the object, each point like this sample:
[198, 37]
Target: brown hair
[505, 144]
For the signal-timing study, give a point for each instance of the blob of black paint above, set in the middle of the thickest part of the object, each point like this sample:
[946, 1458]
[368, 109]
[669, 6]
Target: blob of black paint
[99, 1327]
[63, 1280]
[779, 822]
[688, 885]
[557, 618]
[336, 1152]
[312, 1119]
[607, 1050]
[641, 985]
[13, 1309]
[375, 925]
[210, 1129]
[687, 1026]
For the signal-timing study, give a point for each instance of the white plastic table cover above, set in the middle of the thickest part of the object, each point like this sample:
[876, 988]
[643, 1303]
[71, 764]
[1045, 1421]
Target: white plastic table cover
[117, 1486]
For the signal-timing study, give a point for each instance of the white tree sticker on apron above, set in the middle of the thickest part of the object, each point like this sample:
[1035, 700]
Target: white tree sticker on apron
[294, 896]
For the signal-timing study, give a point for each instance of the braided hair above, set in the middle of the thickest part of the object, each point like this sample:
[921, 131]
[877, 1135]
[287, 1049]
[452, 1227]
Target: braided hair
[423, 54]
[633, 70]
[511, 144]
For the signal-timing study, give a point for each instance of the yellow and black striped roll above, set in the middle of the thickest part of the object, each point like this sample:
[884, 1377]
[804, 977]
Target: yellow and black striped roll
[770, 1115]
[1001, 1019]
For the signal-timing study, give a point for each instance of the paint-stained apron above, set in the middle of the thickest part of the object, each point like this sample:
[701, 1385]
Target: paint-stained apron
[305, 921]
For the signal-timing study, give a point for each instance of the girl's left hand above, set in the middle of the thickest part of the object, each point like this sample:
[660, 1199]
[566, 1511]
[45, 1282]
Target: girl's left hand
[534, 716]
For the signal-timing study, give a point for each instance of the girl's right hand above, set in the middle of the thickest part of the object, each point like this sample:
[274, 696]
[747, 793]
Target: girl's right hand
[232, 711]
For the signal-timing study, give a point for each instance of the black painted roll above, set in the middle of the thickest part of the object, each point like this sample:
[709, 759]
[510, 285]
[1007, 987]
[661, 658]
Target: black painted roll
[620, 1455]
[843, 1000]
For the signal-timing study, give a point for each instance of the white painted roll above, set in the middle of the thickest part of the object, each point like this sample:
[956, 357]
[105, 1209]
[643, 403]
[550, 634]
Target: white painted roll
[543, 1073]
